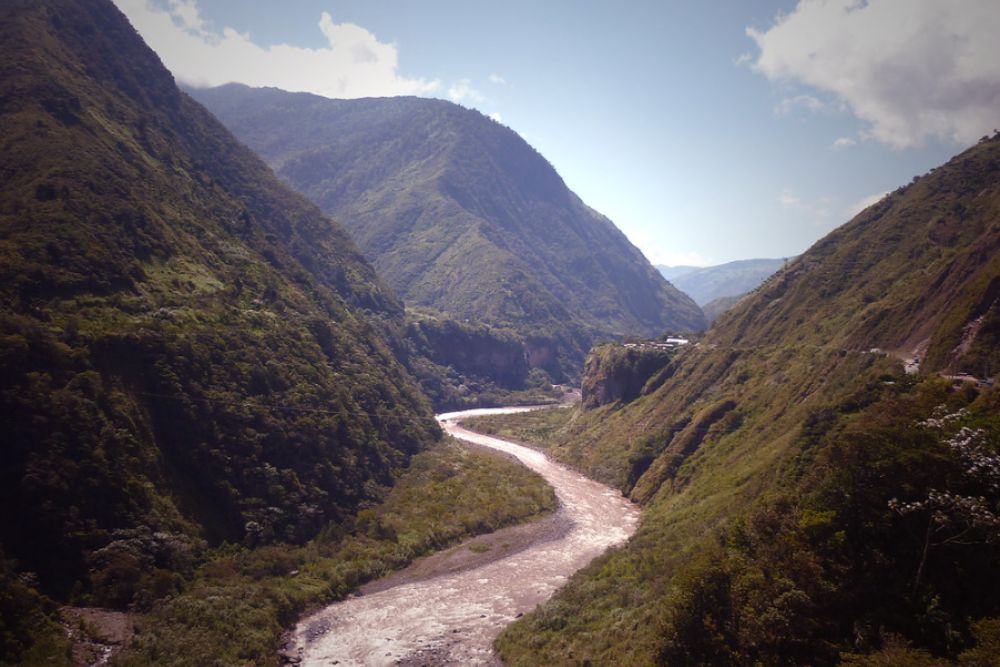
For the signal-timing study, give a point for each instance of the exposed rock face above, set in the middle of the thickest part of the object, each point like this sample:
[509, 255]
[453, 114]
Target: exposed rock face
[618, 373]
[472, 349]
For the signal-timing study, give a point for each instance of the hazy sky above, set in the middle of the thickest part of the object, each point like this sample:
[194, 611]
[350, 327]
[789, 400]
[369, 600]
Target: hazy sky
[707, 130]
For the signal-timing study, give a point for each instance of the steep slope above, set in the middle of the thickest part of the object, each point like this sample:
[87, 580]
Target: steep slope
[714, 308]
[190, 351]
[806, 498]
[726, 280]
[460, 215]
[918, 271]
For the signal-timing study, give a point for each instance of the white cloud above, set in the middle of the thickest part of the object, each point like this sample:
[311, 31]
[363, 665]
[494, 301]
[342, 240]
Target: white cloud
[463, 91]
[912, 69]
[815, 211]
[354, 64]
[498, 80]
[496, 116]
[786, 198]
[789, 104]
[864, 203]
[689, 258]
[187, 14]
[659, 248]
[840, 143]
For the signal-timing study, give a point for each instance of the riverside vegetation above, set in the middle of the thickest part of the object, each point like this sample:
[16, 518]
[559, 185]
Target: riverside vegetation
[460, 365]
[231, 605]
[807, 501]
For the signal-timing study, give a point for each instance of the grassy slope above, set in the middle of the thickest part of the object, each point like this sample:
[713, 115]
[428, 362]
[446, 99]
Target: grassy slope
[714, 308]
[189, 351]
[747, 413]
[913, 270]
[459, 214]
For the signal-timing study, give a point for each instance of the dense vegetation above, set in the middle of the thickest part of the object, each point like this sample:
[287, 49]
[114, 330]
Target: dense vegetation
[462, 365]
[620, 373]
[878, 532]
[233, 607]
[806, 500]
[461, 216]
[190, 353]
[537, 428]
[234, 610]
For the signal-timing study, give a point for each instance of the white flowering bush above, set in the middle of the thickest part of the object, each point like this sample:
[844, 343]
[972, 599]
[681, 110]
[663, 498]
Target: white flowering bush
[968, 514]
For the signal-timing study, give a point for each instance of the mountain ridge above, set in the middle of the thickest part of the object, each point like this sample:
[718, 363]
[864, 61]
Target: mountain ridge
[462, 216]
[732, 279]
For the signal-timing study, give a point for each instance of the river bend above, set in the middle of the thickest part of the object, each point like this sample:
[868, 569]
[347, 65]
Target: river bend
[454, 618]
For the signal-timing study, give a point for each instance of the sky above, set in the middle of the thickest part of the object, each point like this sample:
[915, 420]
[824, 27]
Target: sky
[708, 131]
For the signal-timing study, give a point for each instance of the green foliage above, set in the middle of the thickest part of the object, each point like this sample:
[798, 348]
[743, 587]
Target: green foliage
[462, 217]
[190, 353]
[471, 349]
[986, 652]
[895, 652]
[29, 624]
[461, 365]
[826, 566]
[239, 602]
[617, 373]
[537, 428]
[920, 268]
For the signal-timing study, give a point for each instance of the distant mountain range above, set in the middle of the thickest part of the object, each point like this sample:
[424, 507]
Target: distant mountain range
[461, 217]
[705, 284]
[671, 272]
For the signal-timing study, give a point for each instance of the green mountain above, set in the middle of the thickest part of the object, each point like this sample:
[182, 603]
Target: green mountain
[191, 353]
[709, 283]
[461, 217]
[807, 500]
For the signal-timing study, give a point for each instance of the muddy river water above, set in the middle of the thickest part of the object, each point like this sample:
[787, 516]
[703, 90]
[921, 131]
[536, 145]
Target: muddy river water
[453, 619]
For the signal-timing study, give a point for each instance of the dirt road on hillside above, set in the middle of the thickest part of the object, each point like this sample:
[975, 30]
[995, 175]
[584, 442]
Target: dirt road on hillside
[453, 619]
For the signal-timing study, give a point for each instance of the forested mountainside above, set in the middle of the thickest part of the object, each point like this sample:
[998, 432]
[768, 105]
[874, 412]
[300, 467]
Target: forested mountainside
[706, 284]
[191, 352]
[461, 216]
[807, 500]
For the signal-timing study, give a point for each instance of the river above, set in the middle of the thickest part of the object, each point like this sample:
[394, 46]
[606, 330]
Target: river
[453, 619]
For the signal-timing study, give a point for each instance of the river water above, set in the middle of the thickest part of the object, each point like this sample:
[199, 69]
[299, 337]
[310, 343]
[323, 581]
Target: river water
[453, 619]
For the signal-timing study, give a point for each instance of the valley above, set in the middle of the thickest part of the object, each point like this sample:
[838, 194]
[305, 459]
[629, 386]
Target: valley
[339, 371]
[454, 618]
